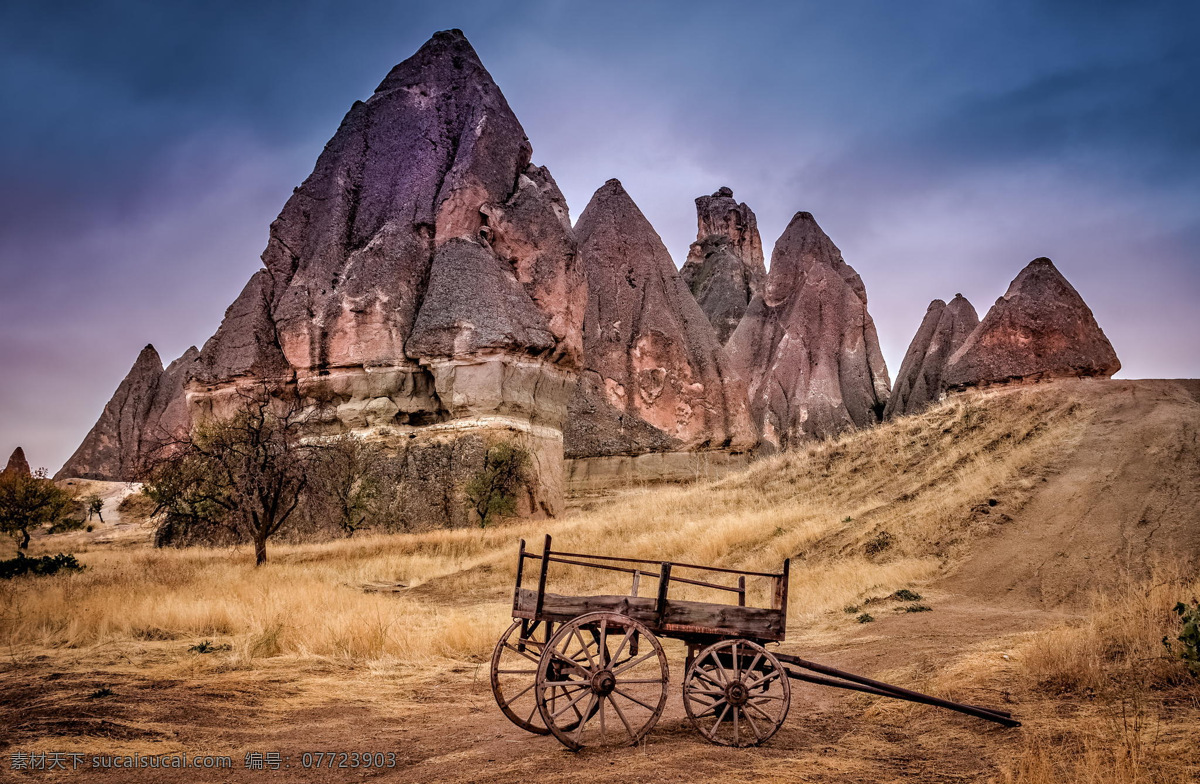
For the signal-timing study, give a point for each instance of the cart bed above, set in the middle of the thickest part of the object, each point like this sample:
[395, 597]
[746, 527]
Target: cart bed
[679, 618]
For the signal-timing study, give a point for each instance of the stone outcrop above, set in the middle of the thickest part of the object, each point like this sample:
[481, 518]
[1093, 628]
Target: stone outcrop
[17, 464]
[942, 332]
[807, 345]
[149, 409]
[724, 267]
[656, 379]
[1040, 329]
[421, 286]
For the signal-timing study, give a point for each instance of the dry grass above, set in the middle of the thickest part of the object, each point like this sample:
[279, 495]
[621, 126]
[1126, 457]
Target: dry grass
[1140, 721]
[915, 480]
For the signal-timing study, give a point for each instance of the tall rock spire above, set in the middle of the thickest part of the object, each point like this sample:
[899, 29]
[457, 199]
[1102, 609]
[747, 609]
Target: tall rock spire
[943, 330]
[1040, 329]
[422, 282]
[724, 267]
[807, 345]
[656, 378]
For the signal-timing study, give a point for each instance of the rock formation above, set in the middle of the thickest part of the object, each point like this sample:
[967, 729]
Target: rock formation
[17, 464]
[148, 410]
[1040, 329]
[807, 345]
[724, 267]
[943, 330]
[656, 379]
[421, 287]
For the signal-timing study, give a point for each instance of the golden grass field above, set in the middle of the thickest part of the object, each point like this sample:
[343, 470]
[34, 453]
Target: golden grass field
[905, 505]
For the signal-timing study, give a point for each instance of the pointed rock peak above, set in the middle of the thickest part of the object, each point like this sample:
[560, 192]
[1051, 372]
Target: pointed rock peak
[1041, 328]
[448, 55]
[148, 357]
[725, 266]
[17, 463]
[920, 380]
[612, 203]
[111, 450]
[649, 351]
[807, 346]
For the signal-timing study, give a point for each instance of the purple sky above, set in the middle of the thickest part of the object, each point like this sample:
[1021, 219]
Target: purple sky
[145, 148]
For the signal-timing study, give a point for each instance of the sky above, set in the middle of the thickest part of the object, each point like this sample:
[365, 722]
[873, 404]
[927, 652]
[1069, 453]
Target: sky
[145, 148]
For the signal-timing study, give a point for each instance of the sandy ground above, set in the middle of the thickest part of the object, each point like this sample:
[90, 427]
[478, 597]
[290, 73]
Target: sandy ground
[1125, 492]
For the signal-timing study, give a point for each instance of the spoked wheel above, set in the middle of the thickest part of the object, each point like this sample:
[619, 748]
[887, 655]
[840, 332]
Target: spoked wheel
[601, 681]
[514, 675]
[736, 693]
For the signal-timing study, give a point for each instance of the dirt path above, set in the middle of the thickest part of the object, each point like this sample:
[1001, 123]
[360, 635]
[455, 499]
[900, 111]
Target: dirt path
[1128, 493]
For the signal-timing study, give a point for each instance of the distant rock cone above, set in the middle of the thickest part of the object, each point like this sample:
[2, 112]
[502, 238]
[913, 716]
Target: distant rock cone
[920, 380]
[724, 268]
[807, 345]
[111, 450]
[17, 464]
[148, 410]
[421, 287]
[1040, 329]
[656, 378]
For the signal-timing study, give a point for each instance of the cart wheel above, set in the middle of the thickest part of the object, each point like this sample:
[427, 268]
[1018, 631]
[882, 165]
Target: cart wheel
[593, 689]
[736, 693]
[514, 673]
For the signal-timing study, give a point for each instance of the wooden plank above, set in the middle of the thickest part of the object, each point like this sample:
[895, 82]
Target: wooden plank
[520, 571]
[664, 584]
[677, 616]
[541, 591]
[673, 563]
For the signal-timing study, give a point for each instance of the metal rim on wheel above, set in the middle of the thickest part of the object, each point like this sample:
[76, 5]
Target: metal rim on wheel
[736, 693]
[601, 681]
[514, 676]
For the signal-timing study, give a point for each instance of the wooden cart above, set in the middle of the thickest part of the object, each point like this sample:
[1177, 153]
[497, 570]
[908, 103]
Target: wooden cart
[589, 669]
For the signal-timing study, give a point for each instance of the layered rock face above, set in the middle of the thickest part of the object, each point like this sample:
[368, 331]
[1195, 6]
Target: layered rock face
[1040, 329]
[942, 332]
[421, 285]
[807, 345]
[724, 267]
[656, 379]
[149, 409]
[17, 464]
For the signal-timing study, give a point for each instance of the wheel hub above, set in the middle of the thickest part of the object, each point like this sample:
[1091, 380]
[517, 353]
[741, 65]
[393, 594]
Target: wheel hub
[603, 683]
[737, 693]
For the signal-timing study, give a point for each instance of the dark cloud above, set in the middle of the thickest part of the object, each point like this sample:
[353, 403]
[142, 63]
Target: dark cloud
[146, 146]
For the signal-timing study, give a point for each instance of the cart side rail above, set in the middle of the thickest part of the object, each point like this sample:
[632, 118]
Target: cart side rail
[664, 573]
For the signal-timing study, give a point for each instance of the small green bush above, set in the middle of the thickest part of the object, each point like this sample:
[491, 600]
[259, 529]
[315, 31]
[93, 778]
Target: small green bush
[492, 493]
[880, 542]
[912, 608]
[906, 595]
[47, 564]
[1189, 636]
[100, 694]
[207, 647]
[850, 609]
[866, 618]
[65, 525]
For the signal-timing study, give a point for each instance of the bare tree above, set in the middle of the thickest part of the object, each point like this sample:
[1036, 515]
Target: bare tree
[247, 473]
[347, 482]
